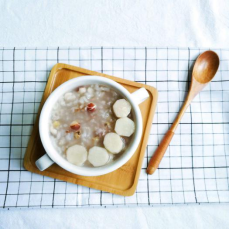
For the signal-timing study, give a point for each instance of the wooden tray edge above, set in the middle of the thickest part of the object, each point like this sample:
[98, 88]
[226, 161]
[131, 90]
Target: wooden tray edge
[154, 94]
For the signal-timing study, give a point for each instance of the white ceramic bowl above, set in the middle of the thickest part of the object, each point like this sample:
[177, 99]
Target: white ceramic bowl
[53, 156]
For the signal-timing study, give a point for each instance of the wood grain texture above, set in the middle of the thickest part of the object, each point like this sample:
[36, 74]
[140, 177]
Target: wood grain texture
[160, 152]
[204, 71]
[124, 180]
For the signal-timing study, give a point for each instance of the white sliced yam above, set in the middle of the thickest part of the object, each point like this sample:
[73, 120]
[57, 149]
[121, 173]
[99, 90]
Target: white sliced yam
[76, 154]
[113, 143]
[98, 156]
[122, 108]
[124, 127]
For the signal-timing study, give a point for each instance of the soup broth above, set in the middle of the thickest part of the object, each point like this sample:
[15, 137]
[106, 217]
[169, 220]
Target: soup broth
[91, 116]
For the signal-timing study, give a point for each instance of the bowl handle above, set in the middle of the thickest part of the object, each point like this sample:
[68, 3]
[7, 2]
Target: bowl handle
[140, 95]
[44, 162]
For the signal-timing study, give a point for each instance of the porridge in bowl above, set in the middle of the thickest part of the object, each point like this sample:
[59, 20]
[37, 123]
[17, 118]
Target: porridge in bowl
[91, 125]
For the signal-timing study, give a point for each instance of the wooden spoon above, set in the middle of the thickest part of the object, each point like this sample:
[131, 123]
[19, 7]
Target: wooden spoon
[204, 70]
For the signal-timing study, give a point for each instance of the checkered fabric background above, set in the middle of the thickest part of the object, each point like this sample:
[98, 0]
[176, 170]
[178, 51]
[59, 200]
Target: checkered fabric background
[195, 167]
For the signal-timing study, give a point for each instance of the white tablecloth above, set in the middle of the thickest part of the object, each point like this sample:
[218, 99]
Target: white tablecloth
[116, 23]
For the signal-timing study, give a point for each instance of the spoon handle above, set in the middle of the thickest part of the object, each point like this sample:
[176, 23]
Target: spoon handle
[159, 153]
[204, 70]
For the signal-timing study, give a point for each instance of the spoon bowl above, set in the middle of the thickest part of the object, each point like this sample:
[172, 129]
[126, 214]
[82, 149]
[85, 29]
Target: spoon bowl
[206, 67]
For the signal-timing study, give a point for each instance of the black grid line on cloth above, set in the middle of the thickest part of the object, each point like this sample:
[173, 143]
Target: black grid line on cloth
[158, 141]
[213, 146]
[147, 66]
[66, 182]
[170, 179]
[8, 174]
[146, 57]
[53, 195]
[203, 153]
[135, 76]
[190, 107]
[43, 178]
[227, 171]
[21, 137]
[102, 72]
[180, 132]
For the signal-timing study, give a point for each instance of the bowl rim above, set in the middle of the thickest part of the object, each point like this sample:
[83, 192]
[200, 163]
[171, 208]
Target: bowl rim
[45, 135]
